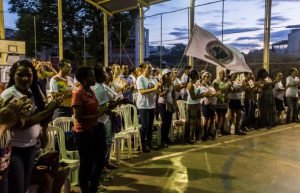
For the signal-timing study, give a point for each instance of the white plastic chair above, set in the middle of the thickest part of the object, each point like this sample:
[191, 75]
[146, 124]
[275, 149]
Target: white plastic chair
[119, 139]
[71, 158]
[180, 123]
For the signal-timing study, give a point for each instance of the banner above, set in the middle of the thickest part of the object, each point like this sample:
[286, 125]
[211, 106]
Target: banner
[205, 46]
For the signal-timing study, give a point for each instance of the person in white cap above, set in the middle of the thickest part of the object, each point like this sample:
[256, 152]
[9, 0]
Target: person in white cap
[166, 106]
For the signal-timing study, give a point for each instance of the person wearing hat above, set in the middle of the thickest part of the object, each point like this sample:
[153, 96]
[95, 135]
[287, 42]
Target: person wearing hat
[166, 105]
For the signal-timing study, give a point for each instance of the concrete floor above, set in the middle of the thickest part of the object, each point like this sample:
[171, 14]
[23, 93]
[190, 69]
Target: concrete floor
[264, 161]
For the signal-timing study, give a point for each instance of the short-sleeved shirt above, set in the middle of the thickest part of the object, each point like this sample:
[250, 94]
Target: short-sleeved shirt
[146, 101]
[236, 95]
[88, 102]
[129, 81]
[102, 99]
[292, 91]
[208, 100]
[184, 80]
[62, 85]
[278, 91]
[23, 137]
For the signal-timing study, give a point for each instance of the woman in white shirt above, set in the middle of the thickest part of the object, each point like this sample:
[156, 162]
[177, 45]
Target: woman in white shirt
[278, 92]
[193, 115]
[146, 104]
[23, 82]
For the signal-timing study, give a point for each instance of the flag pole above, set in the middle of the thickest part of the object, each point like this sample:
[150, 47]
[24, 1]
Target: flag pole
[192, 19]
[266, 62]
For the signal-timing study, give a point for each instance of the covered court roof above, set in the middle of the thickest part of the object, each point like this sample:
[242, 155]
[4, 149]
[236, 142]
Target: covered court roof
[115, 6]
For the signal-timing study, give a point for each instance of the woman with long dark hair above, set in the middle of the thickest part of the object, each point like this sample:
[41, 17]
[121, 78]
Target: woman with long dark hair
[24, 82]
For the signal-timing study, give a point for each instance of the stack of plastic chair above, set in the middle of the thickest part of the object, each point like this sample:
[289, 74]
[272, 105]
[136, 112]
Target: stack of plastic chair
[180, 123]
[120, 138]
[69, 157]
[52, 134]
[131, 125]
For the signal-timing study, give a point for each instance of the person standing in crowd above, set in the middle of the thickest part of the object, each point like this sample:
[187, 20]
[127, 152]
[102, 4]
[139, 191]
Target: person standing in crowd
[90, 134]
[11, 112]
[235, 104]
[208, 102]
[146, 104]
[291, 94]
[44, 71]
[177, 83]
[266, 102]
[278, 92]
[249, 102]
[193, 116]
[166, 106]
[222, 85]
[128, 91]
[184, 81]
[63, 84]
[118, 83]
[24, 82]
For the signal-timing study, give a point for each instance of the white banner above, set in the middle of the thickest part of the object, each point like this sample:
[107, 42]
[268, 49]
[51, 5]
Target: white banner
[205, 46]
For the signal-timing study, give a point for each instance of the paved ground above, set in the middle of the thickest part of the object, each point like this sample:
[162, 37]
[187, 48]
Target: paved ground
[264, 161]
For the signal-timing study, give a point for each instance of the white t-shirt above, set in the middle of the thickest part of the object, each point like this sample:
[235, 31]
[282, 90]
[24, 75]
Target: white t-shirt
[146, 101]
[184, 80]
[236, 95]
[292, 91]
[208, 100]
[197, 91]
[22, 137]
[55, 87]
[168, 96]
[176, 82]
[102, 98]
[277, 91]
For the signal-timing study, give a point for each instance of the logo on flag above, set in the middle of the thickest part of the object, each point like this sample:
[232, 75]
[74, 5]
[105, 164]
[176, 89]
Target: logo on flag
[219, 53]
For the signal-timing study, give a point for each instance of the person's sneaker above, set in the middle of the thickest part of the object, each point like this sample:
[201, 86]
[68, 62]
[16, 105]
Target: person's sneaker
[101, 188]
[111, 166]
[240, 132]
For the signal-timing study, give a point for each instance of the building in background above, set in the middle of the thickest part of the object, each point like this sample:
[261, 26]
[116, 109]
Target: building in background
[294, 43]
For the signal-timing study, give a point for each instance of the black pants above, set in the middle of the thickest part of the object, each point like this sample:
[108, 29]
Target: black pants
[166, 117]
[20, 169]
[91, 146]
[248, 118]
[146, 118]
[292, 110]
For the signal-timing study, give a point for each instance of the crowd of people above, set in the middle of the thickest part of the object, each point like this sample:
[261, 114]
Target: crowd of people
[241, 100]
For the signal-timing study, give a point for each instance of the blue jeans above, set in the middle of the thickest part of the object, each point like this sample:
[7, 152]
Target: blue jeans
[146, 118]
[109, 138]
[20, 169]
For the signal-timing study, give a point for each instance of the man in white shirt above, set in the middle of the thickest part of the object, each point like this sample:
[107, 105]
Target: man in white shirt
[291, 93]
[63, 84]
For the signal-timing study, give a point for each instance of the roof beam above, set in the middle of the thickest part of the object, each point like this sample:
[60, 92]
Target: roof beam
[143, 3]
[103, 1]
[99, 7]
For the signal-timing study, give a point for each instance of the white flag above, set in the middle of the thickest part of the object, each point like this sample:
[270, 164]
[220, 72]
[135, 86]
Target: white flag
[205, 46]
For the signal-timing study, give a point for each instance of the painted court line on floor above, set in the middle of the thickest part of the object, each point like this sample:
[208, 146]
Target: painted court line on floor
[206, 147]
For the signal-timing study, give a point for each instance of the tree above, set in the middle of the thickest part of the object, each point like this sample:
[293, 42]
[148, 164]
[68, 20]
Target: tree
[79, 19]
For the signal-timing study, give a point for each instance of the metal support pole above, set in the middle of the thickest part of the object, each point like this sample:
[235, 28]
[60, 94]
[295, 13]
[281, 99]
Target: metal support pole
[161, 43]
[2, 30]
[35, 47]
[60, 31]
[192, 19]
[120, 43]
[266, 62]
[223, 8]
[105, 32]
[141, 33]
[84, 59]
